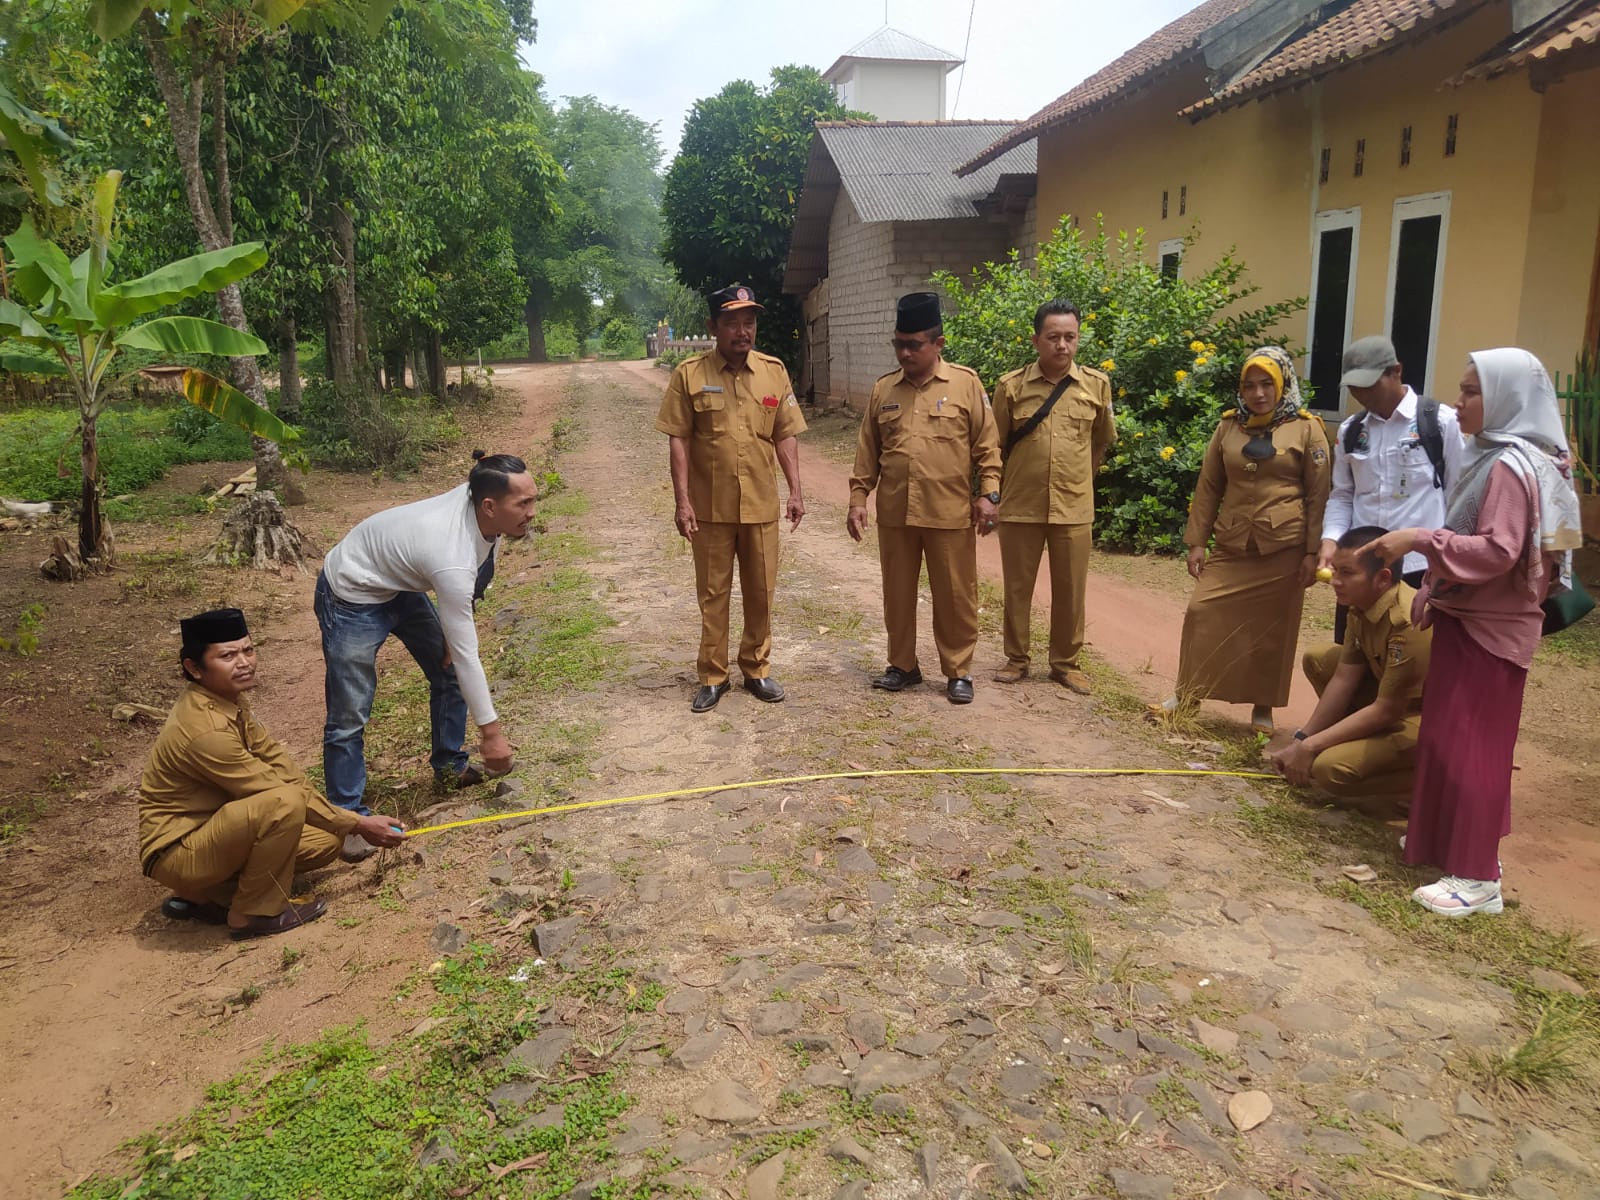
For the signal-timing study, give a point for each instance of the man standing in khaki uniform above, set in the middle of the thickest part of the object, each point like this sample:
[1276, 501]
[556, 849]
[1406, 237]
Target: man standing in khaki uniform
[225, 816]
[1054, 421]
[732, 419]
[1360, 742]
[926, 430]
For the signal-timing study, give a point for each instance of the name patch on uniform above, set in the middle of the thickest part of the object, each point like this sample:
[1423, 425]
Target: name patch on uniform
[769, 402]
[712, 389]
[895, 407]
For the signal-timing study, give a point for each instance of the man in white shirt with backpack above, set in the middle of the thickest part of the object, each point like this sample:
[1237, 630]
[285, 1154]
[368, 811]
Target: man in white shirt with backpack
[1393, 462]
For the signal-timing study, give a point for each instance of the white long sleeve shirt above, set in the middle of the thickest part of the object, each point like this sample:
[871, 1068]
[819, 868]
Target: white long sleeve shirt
[1388, 480]
[430, 545]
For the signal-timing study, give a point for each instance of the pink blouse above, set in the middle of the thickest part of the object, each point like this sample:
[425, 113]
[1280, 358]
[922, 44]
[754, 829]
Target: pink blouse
[1482, 578]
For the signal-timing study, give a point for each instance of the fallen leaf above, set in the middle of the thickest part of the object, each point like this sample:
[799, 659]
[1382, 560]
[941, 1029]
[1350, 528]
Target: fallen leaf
[184, 1153]
[1360, 873]
[1050, 968]
[522, 1164]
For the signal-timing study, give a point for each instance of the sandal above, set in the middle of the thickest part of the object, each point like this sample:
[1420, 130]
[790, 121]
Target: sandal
[292, 917]
[1261, 719]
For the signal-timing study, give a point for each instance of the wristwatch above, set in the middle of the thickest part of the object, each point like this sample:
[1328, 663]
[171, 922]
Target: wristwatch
[1300, 735]
[993, 497]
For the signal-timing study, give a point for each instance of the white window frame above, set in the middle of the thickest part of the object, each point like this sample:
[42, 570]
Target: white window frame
[1170, 246]
[1323, 222]
[1428, 204]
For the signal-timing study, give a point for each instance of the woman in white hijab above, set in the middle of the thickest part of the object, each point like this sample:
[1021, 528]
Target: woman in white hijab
[1511, 526]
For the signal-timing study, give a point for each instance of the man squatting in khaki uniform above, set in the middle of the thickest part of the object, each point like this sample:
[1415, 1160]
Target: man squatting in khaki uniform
[1360, 742]
[729, 413]
[1047, 489]
[225, 817]
[926, 428]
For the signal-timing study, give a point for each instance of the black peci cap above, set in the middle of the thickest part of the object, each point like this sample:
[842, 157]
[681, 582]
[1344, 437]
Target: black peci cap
[734, 296]
[217, 625]
[917, 312]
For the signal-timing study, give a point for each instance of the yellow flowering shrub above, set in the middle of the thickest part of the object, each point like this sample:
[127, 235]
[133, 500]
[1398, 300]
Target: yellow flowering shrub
[1173, 347]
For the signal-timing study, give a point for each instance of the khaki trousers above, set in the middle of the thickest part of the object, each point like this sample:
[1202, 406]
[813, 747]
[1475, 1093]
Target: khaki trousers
[952, 558]
[247, 854]
[1378, 767]
[1021, 545]
[716, 545]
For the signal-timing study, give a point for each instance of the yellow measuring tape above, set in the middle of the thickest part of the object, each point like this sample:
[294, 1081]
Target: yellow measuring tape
[883, 774]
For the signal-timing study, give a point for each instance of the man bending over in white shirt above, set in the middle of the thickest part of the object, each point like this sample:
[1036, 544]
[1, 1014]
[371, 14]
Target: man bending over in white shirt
[1393, 462]
[375, 583]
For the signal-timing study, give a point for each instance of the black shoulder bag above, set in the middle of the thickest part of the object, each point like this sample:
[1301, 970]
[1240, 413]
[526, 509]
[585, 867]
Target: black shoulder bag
[1038, 418]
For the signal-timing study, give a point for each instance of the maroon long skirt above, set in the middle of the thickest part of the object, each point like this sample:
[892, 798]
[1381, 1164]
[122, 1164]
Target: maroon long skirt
[1461, 802]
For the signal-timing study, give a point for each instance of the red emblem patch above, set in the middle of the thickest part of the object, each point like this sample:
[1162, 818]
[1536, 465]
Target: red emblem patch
[769, 402]
[743, 293]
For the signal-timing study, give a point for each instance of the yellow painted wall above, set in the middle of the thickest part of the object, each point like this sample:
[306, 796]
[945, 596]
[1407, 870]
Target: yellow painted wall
[1564, 222]
[1523, 162]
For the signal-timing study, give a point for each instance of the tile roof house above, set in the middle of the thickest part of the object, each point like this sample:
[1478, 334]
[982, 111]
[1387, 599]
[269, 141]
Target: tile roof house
[1425, 168]
[880, 210]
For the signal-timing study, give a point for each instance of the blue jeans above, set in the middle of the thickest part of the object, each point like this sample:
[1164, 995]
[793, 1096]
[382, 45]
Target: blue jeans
[351, 635]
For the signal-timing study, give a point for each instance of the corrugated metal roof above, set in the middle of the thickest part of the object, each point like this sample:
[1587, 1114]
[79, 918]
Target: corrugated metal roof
[893, 171]
[905, 171]
[1172, 42]
[892, 45]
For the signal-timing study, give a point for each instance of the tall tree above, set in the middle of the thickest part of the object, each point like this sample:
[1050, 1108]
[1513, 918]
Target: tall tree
[730, 196]
[601, 251]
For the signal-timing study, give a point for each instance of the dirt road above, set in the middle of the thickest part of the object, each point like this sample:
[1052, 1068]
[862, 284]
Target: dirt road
[957, 985]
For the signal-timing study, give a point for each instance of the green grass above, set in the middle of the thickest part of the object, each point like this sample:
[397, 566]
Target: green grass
[138, 444]
[341, 1117]
[1561, 1051]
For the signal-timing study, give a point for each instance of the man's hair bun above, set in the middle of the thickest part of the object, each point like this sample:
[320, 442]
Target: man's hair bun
[477, 455]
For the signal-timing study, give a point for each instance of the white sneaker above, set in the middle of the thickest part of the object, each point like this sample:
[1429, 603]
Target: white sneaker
[1453, 896]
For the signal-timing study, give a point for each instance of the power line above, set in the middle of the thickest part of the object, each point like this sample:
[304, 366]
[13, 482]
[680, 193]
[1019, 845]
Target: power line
[965, 46]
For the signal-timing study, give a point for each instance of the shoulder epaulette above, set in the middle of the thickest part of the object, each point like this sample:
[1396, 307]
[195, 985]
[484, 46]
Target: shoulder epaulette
[1095, 373]
[1011, 374]
[959, 367]
[886, 374]
[1305, 414]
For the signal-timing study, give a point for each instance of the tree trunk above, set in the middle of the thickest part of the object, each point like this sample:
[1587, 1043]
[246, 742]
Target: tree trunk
[435, 354]
[341, 302]
[414, 385]
[92, 541]
[535, 319]
[213, 216]
[394, 368]
[288, 370]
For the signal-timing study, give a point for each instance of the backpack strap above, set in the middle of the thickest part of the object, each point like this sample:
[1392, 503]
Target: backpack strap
[1431, 434]
[1352, 432]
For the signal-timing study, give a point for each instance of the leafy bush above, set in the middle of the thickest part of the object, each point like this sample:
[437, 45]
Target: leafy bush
[137, 446]
[353, 429]
[668, 359]
[560, 339]
[622, 336]
[510, 345]
[1172, 347]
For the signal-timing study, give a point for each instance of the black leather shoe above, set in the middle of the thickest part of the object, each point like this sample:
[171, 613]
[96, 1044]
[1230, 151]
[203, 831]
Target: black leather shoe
[768, 690]
[708, 695]
[176, 908]
[895, 680]
[959, 690]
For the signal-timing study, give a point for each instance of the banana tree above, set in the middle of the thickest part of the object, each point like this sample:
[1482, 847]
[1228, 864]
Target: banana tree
[72, 321]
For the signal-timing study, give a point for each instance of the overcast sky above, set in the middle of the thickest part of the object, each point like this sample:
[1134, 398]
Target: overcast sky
[657, 59]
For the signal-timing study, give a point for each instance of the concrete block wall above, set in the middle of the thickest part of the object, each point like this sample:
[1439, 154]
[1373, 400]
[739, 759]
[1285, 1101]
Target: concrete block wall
[860, 303]
[871, 265]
